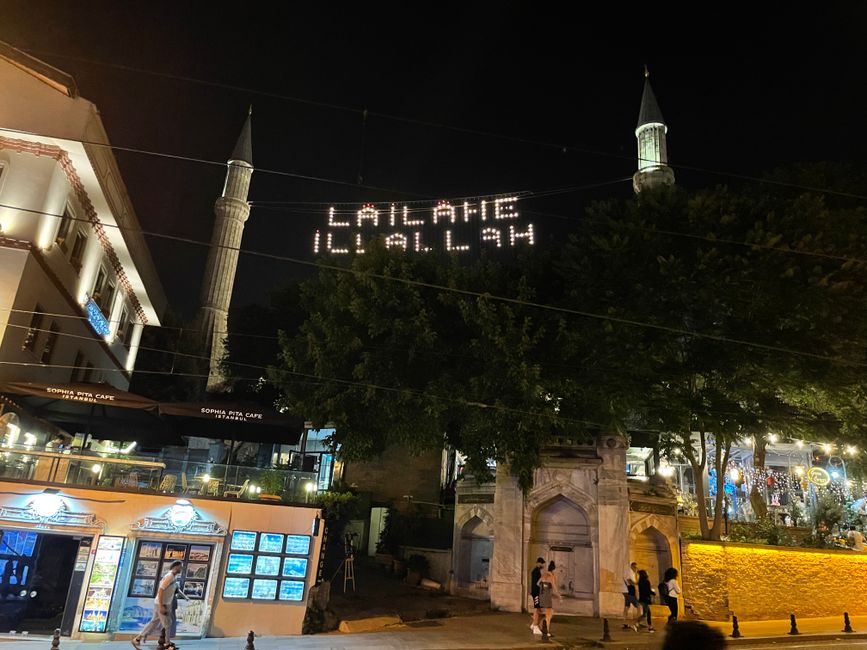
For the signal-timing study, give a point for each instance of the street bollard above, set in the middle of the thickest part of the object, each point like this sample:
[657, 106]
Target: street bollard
[794, 629]
[161, 642]
[55, 640]
[736, 631]
[250, 638]
[848, 624]
[606, 633]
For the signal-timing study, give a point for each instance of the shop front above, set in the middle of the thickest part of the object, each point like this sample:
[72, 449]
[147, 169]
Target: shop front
[89, 561]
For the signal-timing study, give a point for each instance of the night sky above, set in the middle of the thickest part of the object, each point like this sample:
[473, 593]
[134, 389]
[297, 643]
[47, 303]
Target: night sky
[741, 92]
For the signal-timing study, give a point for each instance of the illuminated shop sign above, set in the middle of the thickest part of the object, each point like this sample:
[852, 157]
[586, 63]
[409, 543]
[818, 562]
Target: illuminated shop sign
[275, 566]
[451, 227]
[96, 318]
[100, 589]
[818, 476]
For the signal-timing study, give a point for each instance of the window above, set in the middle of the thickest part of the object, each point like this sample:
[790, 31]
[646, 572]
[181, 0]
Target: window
[50, 342]
[128, 326]
[76, 366]
[104, 290]
[33, 330]
[78, 250]
[88, 373]
[65, 228]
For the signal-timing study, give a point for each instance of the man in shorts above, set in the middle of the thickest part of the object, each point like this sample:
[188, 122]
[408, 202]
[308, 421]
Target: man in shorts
[630, 595]
[163, 615]
[535, 576]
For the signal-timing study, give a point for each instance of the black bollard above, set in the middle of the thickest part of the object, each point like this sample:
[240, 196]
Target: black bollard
[606, 633]
[161, 642]
[736, 631]
[848, 624]
[794, 629]
[250, 638]
[55, 640]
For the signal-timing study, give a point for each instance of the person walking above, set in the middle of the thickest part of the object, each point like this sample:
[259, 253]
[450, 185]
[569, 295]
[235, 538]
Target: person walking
[535, 576]
[645, 597]
[162, 607]
[547, 590]
[630, 596]
[670, 590]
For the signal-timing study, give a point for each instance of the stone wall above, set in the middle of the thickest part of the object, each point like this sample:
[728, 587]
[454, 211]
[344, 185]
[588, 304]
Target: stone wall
[758, 582]
[440, 562]
[396, 473]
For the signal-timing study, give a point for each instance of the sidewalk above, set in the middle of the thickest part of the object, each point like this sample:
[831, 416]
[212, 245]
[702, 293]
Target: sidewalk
[489, 631]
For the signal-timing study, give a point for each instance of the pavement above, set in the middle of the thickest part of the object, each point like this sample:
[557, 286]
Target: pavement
[385, 613]
[497, 630]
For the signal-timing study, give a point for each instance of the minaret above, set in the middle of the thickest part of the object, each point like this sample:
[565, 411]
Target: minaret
[231, 211]
[653, 169]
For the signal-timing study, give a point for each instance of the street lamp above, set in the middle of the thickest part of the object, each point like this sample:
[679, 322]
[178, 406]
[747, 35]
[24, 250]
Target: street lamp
[308, 488]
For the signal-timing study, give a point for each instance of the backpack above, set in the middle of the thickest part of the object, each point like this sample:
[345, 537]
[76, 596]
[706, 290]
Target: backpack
[663, 589]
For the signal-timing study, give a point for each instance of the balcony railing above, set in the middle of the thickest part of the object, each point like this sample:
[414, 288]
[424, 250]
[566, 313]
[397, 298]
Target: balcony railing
[167, 476]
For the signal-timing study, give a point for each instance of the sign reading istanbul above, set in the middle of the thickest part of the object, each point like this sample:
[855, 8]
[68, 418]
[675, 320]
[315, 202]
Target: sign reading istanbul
[445, 227]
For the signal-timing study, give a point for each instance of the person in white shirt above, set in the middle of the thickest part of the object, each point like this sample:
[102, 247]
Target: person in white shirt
[162, 606]
[630, 595]
[856, 538]
[671, 592]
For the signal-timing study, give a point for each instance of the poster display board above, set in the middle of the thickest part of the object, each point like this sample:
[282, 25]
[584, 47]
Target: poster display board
[266, 566]
[151, 562]
[101, 587]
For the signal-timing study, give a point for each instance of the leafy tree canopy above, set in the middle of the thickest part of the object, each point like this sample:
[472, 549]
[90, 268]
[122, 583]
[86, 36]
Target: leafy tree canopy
[754, 322]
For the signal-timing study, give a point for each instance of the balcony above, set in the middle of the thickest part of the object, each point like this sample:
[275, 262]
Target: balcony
[126, 473]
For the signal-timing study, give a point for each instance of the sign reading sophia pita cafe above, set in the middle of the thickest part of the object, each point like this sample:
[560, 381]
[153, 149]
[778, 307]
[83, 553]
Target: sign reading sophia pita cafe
[447, 226]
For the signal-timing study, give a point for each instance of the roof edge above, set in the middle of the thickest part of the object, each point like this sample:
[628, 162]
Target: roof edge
[46, 73]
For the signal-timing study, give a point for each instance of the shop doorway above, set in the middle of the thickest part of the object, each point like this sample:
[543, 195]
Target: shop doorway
[36, 572]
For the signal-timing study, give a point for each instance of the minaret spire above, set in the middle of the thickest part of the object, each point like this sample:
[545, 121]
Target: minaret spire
[653, 169]
[231, 211]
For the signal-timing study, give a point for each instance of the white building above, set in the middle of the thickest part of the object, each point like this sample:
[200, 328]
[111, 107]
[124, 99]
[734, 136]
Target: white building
[77, 283]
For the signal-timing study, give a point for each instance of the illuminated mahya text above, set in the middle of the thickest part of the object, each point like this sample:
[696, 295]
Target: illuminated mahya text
[447, 226]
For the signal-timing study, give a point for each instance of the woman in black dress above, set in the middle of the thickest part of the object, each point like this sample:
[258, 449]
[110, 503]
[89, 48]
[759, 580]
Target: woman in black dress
[645, 597]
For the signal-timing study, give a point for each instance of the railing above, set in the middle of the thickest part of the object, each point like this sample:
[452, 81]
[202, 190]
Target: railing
[148, 475]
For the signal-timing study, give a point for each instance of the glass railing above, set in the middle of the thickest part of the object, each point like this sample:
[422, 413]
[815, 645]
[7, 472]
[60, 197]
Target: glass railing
[165, 476]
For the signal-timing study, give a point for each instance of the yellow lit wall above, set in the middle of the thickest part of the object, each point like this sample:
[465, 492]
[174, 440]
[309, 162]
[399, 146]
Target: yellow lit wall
[758, 582]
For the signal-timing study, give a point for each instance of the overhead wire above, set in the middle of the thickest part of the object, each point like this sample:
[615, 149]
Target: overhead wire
[439, 125]
[486, 296]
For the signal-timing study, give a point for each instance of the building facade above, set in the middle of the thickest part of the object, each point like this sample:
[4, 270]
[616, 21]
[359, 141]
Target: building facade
[77, 283]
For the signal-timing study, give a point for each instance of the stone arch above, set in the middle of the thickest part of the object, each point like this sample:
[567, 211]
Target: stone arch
[651, 548]
[585, 503]
[479, 513]
[474, 551]
[561, 530]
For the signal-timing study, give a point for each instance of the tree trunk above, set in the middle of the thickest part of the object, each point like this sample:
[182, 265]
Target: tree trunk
[721, 461]
[757, 499]
[698, 477]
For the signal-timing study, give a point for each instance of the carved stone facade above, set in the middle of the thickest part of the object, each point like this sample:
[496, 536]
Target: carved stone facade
[653, 530]
[577, 514]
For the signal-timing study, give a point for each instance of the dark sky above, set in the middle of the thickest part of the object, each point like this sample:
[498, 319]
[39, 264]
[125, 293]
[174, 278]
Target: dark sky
[742, 91]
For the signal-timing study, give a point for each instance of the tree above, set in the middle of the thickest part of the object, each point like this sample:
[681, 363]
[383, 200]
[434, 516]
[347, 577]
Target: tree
[704, 339]
[742, 340]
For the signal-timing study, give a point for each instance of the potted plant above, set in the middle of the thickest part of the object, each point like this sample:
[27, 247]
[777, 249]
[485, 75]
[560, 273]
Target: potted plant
[271, 483]
[417, 568]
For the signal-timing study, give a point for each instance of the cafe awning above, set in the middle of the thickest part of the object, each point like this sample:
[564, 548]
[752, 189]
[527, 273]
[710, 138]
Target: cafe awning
[101, 410]
[242, 421]
[113, 414]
